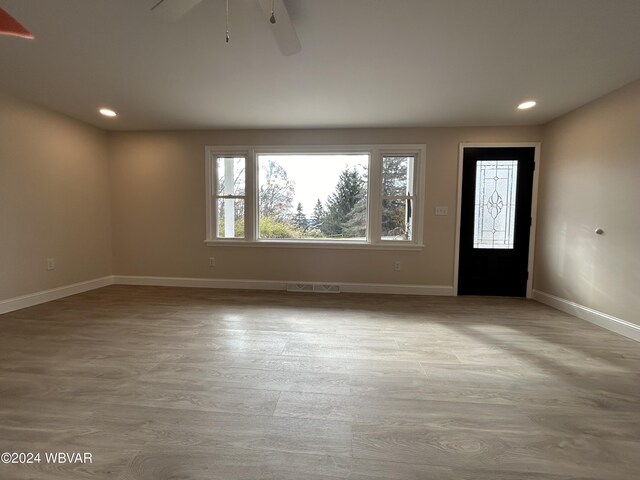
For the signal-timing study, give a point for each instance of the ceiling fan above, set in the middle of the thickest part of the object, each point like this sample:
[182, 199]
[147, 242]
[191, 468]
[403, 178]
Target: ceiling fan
[275, 11]
[10, 26]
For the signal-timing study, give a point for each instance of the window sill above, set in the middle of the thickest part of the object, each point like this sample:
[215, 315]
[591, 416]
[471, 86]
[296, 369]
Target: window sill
[317, 245]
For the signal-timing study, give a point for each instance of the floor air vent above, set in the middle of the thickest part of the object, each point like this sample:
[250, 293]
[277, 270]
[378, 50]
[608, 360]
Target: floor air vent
[313, 287]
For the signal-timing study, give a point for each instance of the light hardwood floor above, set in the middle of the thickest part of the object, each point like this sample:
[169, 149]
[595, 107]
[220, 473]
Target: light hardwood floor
[168, 383]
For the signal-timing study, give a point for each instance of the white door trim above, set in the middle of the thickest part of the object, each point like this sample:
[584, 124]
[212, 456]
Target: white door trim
[534, 206]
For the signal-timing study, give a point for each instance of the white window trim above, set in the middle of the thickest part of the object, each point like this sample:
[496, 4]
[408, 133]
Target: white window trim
[374, 195]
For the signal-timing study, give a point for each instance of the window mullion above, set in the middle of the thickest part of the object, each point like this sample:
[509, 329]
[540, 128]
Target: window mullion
[212, 219]
[375, 197]
[250, 219]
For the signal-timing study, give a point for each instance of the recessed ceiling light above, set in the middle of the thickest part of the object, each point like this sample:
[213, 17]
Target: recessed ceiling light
[107, 112]
[527, 105]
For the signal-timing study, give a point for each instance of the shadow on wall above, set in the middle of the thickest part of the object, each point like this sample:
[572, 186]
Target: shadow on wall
[577, 258]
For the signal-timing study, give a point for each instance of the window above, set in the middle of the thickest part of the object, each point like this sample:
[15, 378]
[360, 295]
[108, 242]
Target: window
[351, 197]
[230, 187]
[313, 197]
[397, 201]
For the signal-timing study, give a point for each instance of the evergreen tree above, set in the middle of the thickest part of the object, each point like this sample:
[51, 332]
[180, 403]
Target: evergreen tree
[300, 219]
[356, 222]
[318, 216]
[350, 190]
[394, 183]
[394, 176]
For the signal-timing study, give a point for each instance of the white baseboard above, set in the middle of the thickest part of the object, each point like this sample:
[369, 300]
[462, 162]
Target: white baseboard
[199, 282]
[444, 290]
[37, 298]
[603, 320]
[393, 289]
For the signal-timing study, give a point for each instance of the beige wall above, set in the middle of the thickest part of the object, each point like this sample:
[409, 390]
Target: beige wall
[54, 200]
[590, 178]
[158, 208]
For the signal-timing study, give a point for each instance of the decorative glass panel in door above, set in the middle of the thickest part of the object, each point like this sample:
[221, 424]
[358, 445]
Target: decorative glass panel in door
[495, 203]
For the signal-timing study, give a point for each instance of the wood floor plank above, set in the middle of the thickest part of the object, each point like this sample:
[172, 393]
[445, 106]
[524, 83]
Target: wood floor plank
[234, 377]
[575, 455]
[405, 412]
[290, 363]
[349, 352]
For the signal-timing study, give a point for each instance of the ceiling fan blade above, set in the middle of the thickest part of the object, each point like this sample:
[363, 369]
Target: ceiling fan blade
[10, 26]
[283, 30]
[174, 9]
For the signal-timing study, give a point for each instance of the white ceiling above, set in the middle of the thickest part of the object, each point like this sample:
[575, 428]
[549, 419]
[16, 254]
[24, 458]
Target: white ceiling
[363, 63]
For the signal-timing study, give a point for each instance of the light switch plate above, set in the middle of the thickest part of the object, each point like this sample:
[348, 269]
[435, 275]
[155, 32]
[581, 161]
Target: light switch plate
[442, 211]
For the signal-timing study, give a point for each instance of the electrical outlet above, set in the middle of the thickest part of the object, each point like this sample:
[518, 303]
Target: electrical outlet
[51, 263]
[397, 265]
[212, 261]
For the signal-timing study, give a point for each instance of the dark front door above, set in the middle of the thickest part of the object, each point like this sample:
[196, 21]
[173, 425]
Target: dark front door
[495, 221]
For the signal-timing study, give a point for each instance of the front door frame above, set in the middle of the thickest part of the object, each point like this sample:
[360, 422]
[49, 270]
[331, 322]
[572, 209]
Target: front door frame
[534, 206]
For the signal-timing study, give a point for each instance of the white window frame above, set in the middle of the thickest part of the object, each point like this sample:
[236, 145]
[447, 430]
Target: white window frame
[374, 195]
[418, 193]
